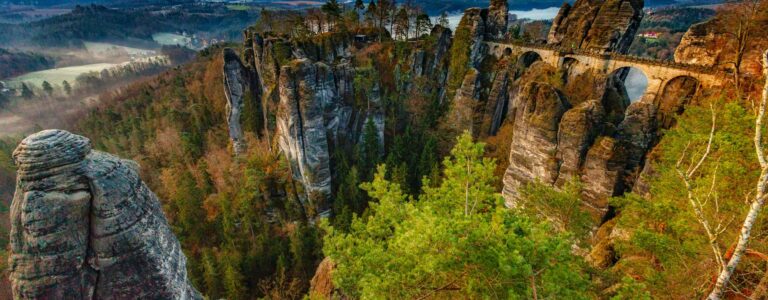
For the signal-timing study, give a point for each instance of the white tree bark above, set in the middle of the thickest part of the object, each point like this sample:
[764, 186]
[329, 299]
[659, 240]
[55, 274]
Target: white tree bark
[760, 196]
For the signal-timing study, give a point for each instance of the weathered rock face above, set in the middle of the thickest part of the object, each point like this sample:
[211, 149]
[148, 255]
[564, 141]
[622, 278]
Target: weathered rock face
[314, 116]
[577, 131]
[85, 226]
[498, 18]
[599, 25]
[235, 85]
[601, 142]
[462, 114]
[697, 45]
[474, 20]
[305, 89]
[537, 116]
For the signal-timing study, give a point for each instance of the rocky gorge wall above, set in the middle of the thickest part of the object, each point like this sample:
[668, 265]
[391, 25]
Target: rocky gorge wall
[316, 98]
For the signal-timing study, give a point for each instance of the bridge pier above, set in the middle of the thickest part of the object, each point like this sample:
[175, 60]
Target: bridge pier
[653, 90]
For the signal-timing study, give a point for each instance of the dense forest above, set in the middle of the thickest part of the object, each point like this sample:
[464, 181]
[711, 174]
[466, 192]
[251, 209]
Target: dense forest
[17, 63]
[126, 26]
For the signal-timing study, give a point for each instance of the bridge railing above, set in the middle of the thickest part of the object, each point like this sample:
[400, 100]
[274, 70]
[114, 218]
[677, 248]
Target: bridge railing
[612, 56]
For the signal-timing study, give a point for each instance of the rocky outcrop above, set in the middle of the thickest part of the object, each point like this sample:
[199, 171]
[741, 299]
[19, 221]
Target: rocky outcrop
[577, 131]
[601, 142]
[442, 36]
[316, 115]
[697, 45]
[498, 99]
[306, 88]
[84, 226]
[235, 85]
[537, 116]
[474, 20]
[498, 18]
[598, 25]
[462, 114]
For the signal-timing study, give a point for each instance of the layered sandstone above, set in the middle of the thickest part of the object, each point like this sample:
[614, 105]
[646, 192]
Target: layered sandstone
[235, 85]
[598, 25]
[84, 225]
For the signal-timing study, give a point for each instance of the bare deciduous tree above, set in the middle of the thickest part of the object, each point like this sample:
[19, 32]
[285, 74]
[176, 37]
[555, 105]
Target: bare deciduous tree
[759, 199]
[696, 201]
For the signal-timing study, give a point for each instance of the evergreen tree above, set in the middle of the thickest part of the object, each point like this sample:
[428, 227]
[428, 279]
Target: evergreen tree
[331, 9]
[458, 241]
[423, 24]
[26, 92]
[3, 100]
[47, 88]
[67, 87]
[443, 20]
[369, 150]
[403, 23]
[371, 13]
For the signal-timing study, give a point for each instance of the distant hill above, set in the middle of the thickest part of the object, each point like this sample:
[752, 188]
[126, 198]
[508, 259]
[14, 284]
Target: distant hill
[125, 26]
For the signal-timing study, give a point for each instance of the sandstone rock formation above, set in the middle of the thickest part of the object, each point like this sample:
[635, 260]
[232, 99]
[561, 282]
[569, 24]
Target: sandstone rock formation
[599, 25]
[235, 86]
[697, 45]
[498, 18]
[85, 226]
[537, 116]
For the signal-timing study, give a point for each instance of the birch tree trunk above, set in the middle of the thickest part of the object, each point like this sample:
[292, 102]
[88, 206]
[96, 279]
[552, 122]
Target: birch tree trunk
[760, 196]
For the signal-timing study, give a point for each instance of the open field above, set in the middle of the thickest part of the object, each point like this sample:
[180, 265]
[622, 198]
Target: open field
[107, 49]
[171, 39]
[57, 75]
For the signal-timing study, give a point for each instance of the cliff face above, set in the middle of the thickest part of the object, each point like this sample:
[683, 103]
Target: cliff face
[558, 136]
[599, 25]
[314, 117]
[85, 226]
[316, 99]
[235, 85]
[712, 44]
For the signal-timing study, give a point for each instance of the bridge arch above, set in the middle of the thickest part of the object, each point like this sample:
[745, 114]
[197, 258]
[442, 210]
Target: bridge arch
[674, 97]
[507, 51]
[570, 67]
[527, 58]
[634, 80]
[524, 61]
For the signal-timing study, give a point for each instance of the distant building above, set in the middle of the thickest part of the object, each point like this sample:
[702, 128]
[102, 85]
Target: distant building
[650, 35]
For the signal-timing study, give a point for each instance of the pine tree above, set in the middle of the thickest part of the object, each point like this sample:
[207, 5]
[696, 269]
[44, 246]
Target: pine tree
[423, 24]
[26, 92]
[370, 14]
[331, 9]
[67, 87]
[47, 88]
[369, 150]
[458, 235]
[443, 20]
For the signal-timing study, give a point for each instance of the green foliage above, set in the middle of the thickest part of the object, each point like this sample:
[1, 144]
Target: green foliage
[457, 241]
[369, 150]
[47, 88]
[26, 92]
[662, 224]
[630, 289]
[563, 205]
[67, 87]
[460, 55]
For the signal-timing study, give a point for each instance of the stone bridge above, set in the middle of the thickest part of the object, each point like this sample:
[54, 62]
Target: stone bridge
[659, 73]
